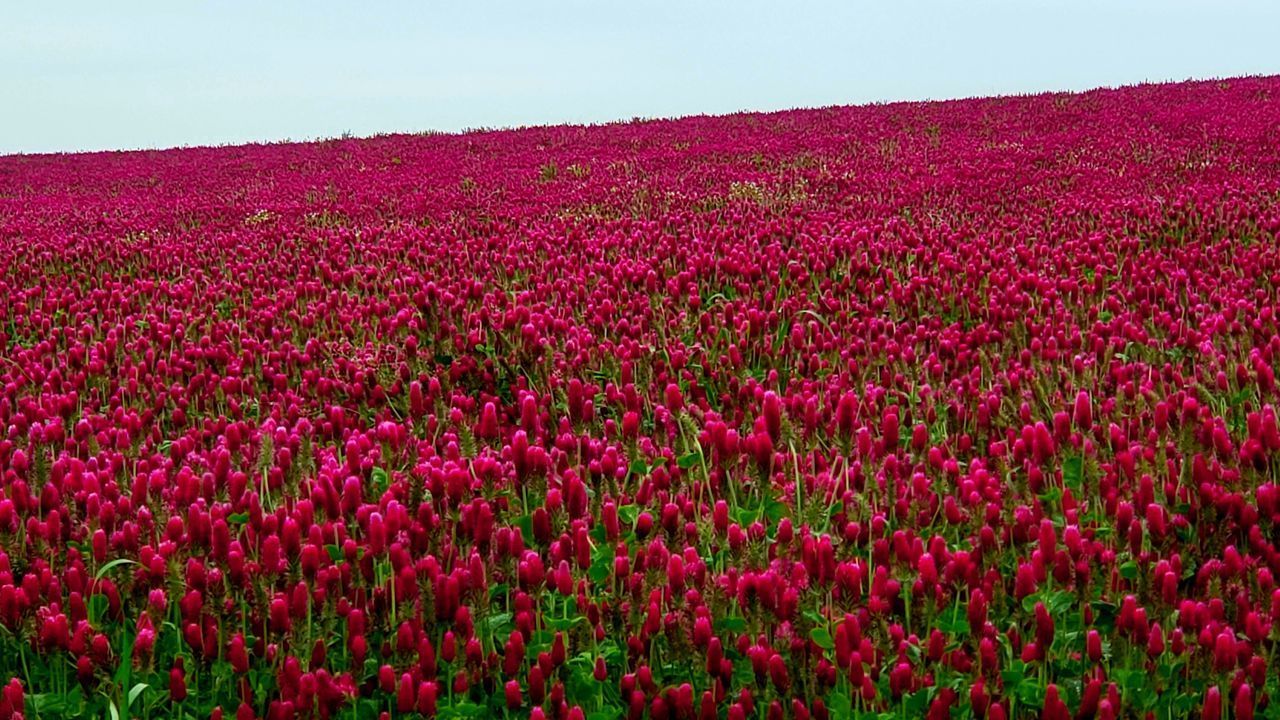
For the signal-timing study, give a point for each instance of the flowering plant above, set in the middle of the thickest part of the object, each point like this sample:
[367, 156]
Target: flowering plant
[948, 409]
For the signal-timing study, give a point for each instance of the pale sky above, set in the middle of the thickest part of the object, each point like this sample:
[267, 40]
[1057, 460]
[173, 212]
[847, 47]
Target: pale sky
[111, 75]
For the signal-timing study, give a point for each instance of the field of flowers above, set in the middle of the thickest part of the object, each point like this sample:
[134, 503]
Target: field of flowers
[962, 409]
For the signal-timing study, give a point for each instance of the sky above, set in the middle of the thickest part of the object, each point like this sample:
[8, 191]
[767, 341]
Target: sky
[121, 75]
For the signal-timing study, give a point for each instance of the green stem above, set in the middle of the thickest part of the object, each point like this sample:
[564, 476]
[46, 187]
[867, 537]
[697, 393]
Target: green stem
[26, 672]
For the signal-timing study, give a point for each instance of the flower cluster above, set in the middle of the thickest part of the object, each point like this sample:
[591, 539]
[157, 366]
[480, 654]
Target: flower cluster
[961, 409]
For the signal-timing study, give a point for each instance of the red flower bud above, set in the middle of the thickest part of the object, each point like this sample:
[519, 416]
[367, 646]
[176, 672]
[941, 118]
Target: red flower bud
[1244, 702]
[511, 691]
[177, 682]
[1212, 708]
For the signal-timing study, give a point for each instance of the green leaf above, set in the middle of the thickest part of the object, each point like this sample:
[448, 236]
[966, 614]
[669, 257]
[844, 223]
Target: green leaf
[731, 623]
[1184, 703]
[822, 638]
[463, 709]
[68, 704]
[775, 510]
[525, 523]
[540, 642]
[1051, 495]
[367, 708]
[379, 478]
[917, 703]
[1014, 674]
[744, 515]
[135, 691]
[1031, 693]
[684, 462]
[1169, 666]
[1059, 602]
[498, 621]
[628, 514]
[1073, 472]
[97, 606]
[122, 675]
[1129, 570]
[953, 620]
[639, 467]
[1104, 614]
[238, 518]
[839, 704]
[1129, 679]
[565, 623]
[601, 565]
[1055, 601]
[498, 591]
[113, 564]
[335, 552]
